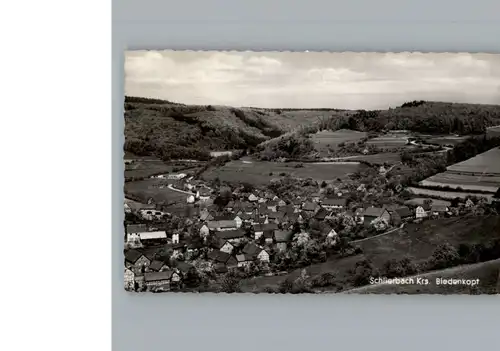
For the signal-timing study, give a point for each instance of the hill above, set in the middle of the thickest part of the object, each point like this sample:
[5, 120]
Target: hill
[171, 130]
[435, 118]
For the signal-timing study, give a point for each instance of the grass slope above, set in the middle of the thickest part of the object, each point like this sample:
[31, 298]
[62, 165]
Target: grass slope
[417, 241]
[172, 130]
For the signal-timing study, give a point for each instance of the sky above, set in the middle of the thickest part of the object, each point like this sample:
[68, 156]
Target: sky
[312, 79]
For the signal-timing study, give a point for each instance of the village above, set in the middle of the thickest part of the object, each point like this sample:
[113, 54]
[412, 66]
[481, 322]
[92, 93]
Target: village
[246, 231]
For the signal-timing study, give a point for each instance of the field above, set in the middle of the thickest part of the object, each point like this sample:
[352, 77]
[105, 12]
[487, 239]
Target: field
[486, 163]
[419, 201]
[447, 194]
[260, 172]
[147, 168]
[493, 132]
[416, 240]
[379, 159]
[389, 141]
[153, 188]
[445, 140]
[488, 274]
[464, 181]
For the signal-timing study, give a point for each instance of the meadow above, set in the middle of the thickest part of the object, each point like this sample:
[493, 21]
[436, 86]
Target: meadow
[153, 188]
[417, 241]
[463, 181]
[261, 172]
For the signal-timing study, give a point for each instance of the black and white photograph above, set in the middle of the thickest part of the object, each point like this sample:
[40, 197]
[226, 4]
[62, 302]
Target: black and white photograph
[311, 172]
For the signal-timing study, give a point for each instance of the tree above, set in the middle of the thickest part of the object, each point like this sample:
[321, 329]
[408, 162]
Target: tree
[363, 271]
[444, 256]
[230, 283]
[380, 224]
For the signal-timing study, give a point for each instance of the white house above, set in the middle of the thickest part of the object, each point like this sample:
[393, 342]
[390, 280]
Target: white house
[331, 204]
[227, 247]
[176, 176]
[129, 279]
[244, 260]
[204, 231]
[238, 221]
[252, 198]
[136, 261]
[420, 212]
[175, 238]
[332, 234]
[263, 256]
[190, 199]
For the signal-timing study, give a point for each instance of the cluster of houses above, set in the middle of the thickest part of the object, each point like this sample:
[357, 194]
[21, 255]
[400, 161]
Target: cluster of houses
[246, 231]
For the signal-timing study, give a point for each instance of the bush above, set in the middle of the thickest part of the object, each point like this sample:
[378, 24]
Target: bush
[363, 271]
[285, 286]
[444, 256]
[400, 268]
[230, 283]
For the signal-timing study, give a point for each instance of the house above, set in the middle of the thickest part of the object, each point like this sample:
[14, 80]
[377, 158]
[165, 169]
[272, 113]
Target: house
[136, 261]
[225, 246]
[177, 176]
[281, 203]
[297, 204]
[259, 229]
[178, 249]
[194, 246]
[331, 233]
[420, 212]
[263, 256]
[175, 238]
[359, 215]
[295, 217]
[206, 216]
[395, 217]
[153, 237]
[248, 209]
[469, 203]
[255, 251]
[404, 212]
[183, 268]
[268, 236]
[252, 198]
[373, 213]
[272, 205]
[190, 199]
[315, 197]
[204, 231]
[230, 206]
[439, 210]
[282, 238]
[276, 217]
[157, 266]
[244, 260]
[222, 258]
[233, 236]
[222, 225]
[334, 204]
[321, 214]
[155, 279]
[310, 207]
[238, 220]
[204, 194]
[129, 279]
[331, 236]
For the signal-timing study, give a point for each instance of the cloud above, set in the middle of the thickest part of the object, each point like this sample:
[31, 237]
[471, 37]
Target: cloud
[337, 80]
